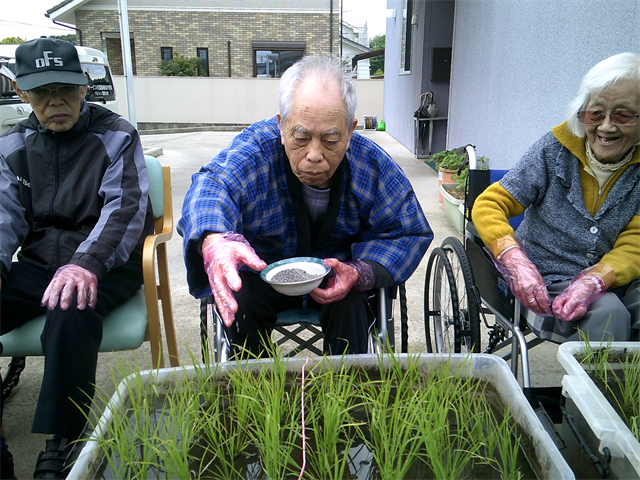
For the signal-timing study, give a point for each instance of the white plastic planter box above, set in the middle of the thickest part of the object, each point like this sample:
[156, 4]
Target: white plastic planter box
[489, 368]
[600, 423]
[452, 207]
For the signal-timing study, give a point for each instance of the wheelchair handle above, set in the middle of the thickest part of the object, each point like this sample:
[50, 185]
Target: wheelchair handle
[470, 152]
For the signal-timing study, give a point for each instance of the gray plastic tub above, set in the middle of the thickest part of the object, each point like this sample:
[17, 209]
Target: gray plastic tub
[489, 368]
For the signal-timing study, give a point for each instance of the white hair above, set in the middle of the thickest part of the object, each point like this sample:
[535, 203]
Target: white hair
[623, 66]
[324, 69]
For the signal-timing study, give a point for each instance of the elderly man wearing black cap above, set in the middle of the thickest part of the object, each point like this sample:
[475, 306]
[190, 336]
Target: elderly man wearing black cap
[74, 201]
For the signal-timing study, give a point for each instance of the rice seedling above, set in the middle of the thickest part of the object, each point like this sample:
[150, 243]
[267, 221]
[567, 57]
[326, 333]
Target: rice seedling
[137, 441]
[275, 425]
[332, 427]
[502, 446]
[243, 420]
[618, 377]
[393, 410]
[443, 430]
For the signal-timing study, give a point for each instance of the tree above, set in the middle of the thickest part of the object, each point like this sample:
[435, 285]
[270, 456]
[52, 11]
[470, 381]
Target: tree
[12, 41]
[70, 37]
[377, 63]
[180, 66]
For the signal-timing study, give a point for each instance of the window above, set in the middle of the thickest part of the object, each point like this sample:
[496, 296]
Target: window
[203, 55]
[100, 85]
[166, 53]
[271, 59]
[6, 87]
[407, 29]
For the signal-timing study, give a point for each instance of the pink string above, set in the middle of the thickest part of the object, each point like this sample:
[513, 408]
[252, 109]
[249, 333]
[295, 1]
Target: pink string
[304, 444]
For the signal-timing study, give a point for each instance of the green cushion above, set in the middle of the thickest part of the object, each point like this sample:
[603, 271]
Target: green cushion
[297, 315]
[123, 329]
[156, 185]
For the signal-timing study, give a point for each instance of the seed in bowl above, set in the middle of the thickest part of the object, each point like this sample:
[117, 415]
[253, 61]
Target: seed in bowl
[290, 275]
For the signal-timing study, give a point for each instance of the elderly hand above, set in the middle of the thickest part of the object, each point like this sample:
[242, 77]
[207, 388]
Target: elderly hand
[66, 280]
[524, 280]
[354, 275]
[223, 255]
[581, 292]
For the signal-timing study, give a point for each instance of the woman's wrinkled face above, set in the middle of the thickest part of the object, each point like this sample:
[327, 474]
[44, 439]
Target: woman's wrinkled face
[316, 135]
[609, 142]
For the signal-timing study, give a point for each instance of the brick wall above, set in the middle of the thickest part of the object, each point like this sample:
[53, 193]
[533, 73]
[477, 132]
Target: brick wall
[186, 31]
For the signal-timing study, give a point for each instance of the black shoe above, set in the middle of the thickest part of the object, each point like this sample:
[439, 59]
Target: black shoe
[6, 462]
[52, 462]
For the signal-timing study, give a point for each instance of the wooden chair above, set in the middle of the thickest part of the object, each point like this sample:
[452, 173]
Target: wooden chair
[138, 319]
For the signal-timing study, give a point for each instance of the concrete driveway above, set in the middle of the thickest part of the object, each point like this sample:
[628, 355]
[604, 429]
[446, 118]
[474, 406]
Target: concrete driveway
[185, 153]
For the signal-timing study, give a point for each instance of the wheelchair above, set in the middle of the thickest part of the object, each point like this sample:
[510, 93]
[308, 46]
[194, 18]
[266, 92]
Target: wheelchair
[463, 288]
[301, 330]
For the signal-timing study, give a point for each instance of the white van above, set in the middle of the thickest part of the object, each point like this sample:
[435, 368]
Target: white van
[12, 110]
[96, 67]
[94, 64]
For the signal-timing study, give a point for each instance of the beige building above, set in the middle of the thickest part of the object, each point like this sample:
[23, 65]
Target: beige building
[233, 38]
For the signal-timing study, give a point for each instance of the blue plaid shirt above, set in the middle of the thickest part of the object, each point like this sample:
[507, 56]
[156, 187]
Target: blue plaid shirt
[244, 189]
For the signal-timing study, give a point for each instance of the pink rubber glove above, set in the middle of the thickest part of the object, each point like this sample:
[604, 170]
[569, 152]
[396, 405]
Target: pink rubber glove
[581, 292]
[354, 275]
[66, 280]
[223, 255]
[524, 280]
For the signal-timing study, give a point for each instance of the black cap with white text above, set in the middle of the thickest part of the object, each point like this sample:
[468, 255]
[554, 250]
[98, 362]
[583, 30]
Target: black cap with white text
[44, 61]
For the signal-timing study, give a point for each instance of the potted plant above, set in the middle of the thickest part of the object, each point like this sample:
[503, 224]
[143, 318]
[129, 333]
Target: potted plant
[601, 388]
[447, 163]
[453, 194]
[368, 416]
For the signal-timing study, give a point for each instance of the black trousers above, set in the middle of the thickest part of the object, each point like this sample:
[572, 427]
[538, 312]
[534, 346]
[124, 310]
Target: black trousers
[70, 341]
[345, 323]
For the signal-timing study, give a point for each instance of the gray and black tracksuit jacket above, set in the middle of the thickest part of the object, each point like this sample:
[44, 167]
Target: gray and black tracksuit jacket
[78, 197]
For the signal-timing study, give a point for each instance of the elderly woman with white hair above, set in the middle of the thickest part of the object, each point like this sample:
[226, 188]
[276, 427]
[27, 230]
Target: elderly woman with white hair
[574, 260]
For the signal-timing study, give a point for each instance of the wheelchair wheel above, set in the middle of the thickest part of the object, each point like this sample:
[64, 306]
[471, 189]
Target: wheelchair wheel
[468, 299]
[441, 312]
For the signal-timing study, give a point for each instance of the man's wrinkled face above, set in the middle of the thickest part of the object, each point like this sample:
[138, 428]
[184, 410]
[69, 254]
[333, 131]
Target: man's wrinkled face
[58, 109]
[316, 135]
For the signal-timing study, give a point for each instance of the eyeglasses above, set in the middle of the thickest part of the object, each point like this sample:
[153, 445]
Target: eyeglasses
[65, 92]
[621, 117]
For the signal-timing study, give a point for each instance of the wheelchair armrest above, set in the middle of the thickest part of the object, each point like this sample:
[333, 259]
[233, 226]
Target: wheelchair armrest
[472, 232]
[490, 283]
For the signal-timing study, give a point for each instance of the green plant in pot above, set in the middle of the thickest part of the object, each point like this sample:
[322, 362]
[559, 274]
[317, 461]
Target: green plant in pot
[454, 191]
[447, 163]
[460, 179]
[447, 160]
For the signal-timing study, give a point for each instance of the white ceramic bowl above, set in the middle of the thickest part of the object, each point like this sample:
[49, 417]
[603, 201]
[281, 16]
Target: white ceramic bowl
[313, 266]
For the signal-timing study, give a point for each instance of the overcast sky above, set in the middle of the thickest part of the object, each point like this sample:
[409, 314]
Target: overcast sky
[25, 18]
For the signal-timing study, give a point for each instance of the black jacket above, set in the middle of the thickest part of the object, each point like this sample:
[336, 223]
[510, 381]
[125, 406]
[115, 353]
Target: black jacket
[77, 197]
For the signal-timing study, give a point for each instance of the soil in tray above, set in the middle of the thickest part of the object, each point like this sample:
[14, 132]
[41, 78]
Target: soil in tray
[615, 381]
[361, 464]
[612, 391]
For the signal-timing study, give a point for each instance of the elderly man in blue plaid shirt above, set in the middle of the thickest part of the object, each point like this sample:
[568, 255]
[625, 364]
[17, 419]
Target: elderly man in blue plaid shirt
[302, 184]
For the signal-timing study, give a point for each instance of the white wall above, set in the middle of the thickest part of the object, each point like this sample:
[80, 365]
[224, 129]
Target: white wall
[517, 64]
[222, 100]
